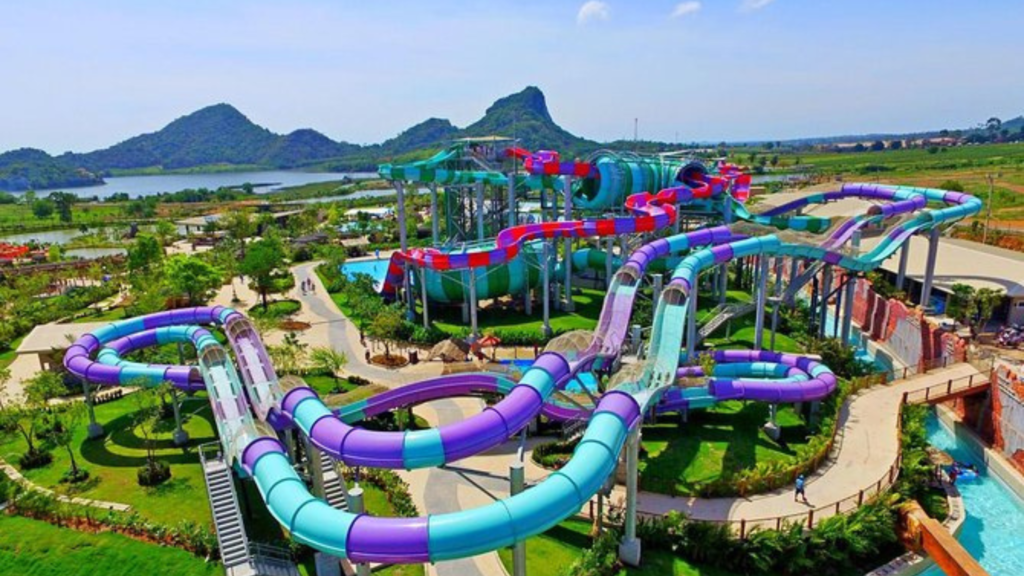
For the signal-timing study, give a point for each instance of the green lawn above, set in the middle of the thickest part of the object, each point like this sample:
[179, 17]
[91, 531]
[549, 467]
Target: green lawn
[553, 552]
[325, 385]
[588, 308]
[111, 315]
[718, 441]
[8, 356]
[276, 309]
[35, 548]
[113, 460]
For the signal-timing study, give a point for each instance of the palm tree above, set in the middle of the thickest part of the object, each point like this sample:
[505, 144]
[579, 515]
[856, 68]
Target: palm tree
[329, 360]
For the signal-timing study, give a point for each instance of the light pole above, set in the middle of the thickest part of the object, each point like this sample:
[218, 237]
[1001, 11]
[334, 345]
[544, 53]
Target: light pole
[988, 209]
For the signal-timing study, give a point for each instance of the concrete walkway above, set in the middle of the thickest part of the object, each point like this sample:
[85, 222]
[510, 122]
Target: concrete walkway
[867, 445]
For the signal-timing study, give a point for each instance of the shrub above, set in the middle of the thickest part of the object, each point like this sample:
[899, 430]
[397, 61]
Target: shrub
[153, 474]
[35, 459]
[554, 454]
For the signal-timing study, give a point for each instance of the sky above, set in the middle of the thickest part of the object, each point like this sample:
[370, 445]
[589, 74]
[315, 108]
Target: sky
[84, 75]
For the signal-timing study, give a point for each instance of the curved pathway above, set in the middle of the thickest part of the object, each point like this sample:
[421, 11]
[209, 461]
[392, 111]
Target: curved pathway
[867, 445]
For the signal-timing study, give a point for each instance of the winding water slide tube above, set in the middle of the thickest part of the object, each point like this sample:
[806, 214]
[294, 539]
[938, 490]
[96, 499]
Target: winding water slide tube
[758, 375]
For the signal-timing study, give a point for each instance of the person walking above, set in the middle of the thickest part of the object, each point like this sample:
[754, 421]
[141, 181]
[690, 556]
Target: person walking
[801, 489]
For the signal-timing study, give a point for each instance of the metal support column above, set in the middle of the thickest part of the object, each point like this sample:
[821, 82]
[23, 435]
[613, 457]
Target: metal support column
[610, 246]
[826, 288]
[567, 261]
[517, 479]
[546, 285]
[357, 507]
[473, 302]
[480, 211]
[657, 284]
[435, 216]
[762, 293]
[851, 287]
[901, 275]
[180, 437]
[778, 301]
[95, 429]
[929, 268]
[423, 297]
[691, 323]
[629, 548]
[512, 210]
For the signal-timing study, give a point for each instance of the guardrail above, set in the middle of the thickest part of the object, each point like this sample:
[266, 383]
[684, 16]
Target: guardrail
[868, 493]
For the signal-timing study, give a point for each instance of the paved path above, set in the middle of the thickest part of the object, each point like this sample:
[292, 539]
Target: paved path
[867, 447]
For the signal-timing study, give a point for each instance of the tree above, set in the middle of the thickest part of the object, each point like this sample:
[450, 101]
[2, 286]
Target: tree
[146, 419]
[63, 423]
[987, 300]
[166, 233]
[877, 145]
[63, 201]
[143, 253]
[386, 327]
[262, 259]
[28, 418]
[42, 209]
[329, 360]
[961, 306]
[193, 277]
[239, 226]
[896, 144]
[5, 378]
[993, 125]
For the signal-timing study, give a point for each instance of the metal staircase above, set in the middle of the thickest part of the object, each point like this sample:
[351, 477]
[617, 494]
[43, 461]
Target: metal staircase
[334, 490]
[227, 516]
[724, 315]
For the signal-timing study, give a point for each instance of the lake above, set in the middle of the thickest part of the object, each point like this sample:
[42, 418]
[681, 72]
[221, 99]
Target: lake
[264, 181]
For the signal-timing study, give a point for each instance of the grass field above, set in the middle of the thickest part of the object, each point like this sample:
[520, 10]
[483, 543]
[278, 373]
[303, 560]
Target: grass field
[587, 310]
[113, 460]
[19, 217]
[716, 442]
[553, 552]
[276, 309]
[35, 548]
[111, 315]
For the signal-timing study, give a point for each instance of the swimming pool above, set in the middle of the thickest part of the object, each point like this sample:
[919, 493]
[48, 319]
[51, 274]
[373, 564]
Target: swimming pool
[377, 268]
[584, 378]
[994, 529]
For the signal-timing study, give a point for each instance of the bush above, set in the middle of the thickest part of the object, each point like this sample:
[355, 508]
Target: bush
[154, 473]
[554, 455]
[395, 489]
[75, 476]
[35, 459]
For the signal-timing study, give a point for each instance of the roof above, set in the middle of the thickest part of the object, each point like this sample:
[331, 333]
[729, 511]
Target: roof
[472, 139]
[960, 261]
[199, 220]
[49, 337]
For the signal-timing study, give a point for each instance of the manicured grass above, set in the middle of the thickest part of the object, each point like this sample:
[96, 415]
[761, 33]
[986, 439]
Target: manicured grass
[112, 315]
[326, 385]
[113, 460]
[587, 310]
[553, 553]
[35, 548]
[8, 356]
[721, 440]
[276, 309]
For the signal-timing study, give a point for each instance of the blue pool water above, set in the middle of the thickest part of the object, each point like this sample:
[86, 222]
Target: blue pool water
[378, 269]
[585, 378]
[994, 530]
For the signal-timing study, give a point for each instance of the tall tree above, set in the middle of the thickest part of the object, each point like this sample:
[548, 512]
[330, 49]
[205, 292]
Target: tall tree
[166, 233]
[263, 258]
[193, 277]
[239, 225]
[329, 360]
[63, 201]
[386, 327]
[144, 251]
[63, 423]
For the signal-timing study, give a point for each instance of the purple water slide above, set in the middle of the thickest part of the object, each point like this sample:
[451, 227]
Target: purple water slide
[821, 381]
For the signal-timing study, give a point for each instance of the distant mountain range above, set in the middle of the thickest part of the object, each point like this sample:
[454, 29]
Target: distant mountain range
[220, 137]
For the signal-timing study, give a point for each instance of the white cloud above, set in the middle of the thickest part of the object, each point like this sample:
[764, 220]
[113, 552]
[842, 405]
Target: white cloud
[686, 8]
[752, 5]
[593, 10]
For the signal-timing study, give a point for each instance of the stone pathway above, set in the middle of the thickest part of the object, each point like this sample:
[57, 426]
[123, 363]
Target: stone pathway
[13, 474]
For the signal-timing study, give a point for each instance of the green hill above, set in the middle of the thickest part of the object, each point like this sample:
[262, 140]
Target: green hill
[31, 169]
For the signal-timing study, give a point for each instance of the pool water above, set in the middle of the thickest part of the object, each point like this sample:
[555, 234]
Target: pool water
[378, 269]
[994, 529]
[583, 379]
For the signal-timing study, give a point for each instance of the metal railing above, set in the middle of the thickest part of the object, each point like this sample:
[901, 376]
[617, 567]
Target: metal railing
[866, 494]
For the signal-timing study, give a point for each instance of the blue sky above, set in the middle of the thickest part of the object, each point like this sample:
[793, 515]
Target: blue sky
[82, 75]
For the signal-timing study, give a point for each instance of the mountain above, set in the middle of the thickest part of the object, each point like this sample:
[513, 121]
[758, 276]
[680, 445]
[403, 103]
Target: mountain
[303, 147]
[31, 169]
[429, 133]
[525, 115]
